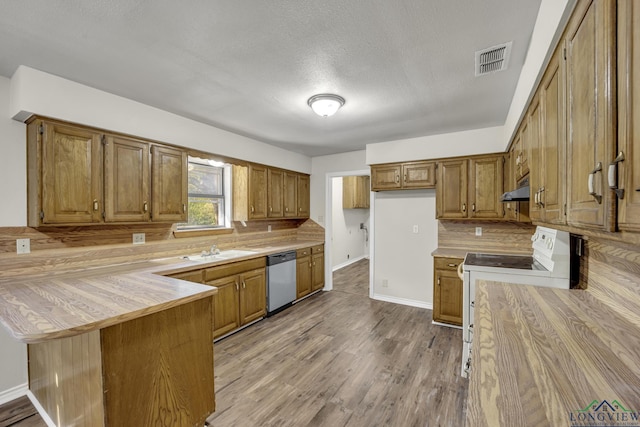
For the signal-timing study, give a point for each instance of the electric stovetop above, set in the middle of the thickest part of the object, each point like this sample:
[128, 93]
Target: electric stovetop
[518, 262]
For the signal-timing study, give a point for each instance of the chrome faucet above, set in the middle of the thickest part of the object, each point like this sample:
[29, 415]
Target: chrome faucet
[214, 250]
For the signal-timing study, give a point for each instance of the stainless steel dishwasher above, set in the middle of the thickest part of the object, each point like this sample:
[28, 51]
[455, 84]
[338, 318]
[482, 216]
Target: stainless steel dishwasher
[281, 281]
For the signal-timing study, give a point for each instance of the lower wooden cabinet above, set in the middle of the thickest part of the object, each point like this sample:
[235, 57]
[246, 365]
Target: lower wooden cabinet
[447, 291]
[309, 270]
[241, 297]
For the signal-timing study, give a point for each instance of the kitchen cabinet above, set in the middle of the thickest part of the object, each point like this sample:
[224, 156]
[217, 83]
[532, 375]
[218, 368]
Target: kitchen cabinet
[126, 180]
[304, 201]
[79, 175]
[628, 179]
[521, 151]
[591, 103]
[190, 276]
[309, 270]
[447, 291]
[549, 165]
[290, 194]
[260, 192]
[275, 193]
[470, 188]
[65, 175]
[241, 297]
[407, 175]
[355, 192]
[169, 175]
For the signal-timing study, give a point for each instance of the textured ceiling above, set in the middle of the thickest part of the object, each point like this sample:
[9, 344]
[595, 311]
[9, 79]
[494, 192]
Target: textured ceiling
[405, 68]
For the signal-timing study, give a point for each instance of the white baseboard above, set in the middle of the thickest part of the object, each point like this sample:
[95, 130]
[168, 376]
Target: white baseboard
[348, 262]
[404, 301]
[13, 393]
[47, 419]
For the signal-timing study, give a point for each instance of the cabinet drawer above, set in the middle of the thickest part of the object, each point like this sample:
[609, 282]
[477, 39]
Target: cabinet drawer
[317, 249]
[447, 263]
[226, 270]
[190, 276]
[300, 253]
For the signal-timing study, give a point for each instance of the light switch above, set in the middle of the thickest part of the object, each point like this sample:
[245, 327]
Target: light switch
[478, 231]
[415, 229]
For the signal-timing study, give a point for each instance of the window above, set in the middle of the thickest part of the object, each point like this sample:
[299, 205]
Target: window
[207, 204]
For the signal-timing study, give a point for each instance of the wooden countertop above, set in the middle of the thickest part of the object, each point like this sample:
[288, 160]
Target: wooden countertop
[545, 356]
[37, 309]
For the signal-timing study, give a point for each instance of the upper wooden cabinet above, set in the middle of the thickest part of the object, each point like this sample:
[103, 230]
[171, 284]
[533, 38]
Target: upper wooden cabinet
[408, 175]
[65, 174]
[470, 188]
[78, 175]
[355, 192]
[126, 180]
[260, 192]
[591, 102]
[629, 115]
[275, 193]
[169, 175]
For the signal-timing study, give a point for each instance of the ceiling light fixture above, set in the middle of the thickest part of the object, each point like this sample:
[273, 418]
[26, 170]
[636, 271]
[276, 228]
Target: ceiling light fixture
[325, 104]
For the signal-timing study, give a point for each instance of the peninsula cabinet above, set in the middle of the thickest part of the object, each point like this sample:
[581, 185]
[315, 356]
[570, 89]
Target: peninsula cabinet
[591, 104]
[629, 115]
[403, 176]
[470, 188]
[241, 297]
[78, 175]
[447, 291]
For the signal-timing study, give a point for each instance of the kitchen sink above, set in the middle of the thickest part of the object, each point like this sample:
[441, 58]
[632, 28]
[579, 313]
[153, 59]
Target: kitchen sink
[232, 253]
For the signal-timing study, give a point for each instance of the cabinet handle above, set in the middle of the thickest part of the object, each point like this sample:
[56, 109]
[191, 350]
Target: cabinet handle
[473, 207]
[286, 209]
[244, 285]
[452, 265]
[95, 204]
[592, 191]
[613, 175]
[464, 207]
[252, 209]
[237, 287]
[184, 207]
[438, 281]
[145, 207]
[397, 179]
[405, 177]
[540, 202]
[309, 264]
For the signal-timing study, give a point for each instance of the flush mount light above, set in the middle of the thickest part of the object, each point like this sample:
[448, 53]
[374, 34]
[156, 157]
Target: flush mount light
[325, 104]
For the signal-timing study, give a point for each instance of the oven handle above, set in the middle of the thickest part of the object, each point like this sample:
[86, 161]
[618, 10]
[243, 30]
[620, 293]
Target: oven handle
[460, 273]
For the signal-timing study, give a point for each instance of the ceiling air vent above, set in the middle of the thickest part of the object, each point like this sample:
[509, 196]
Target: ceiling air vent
[493, 59]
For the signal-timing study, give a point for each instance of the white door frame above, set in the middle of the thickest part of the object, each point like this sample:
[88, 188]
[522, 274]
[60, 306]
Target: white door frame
[328, 229]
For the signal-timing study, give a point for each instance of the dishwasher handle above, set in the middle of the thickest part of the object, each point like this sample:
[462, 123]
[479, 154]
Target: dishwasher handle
[281, 257]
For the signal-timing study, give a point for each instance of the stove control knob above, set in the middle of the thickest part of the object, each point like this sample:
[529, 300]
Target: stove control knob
[534, 237]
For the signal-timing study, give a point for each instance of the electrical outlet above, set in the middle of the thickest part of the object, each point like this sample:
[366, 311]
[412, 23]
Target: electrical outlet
[478, 231]
[385, 283]
[415, 229]
[269, 228]
[138, 238]
[23, 246]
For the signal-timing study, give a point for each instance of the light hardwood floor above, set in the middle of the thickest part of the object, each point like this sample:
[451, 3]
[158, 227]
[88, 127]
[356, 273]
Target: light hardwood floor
[335, 359]
[341, 359]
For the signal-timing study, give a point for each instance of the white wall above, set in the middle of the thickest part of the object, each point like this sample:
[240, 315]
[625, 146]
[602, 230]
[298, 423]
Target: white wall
[478, 141]
[13, 193]
[36, 92]
[348, 241]
[402, 257]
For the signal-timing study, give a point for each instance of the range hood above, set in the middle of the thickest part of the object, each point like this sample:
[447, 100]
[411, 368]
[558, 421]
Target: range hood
[521, 194]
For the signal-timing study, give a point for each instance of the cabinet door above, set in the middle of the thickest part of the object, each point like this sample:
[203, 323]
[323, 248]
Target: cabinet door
[303, 275]
[126, 180]
[71, 179]
[524, 149]
[447, 291]
[534, 159]
[553, 142]
[510, 211]
[629, 113]
[226, 305]
[275, 184]
[451, 193]
[386, 177]
[253, 296]
[290, 194]
[257, 192]
[355, 192]
[419, 175]
[590, 107]
[304, 207]
[317, 271]
[168, 184]
[485, 186]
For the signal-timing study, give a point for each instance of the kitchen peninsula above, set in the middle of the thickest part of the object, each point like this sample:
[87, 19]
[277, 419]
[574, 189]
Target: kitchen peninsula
[115, 346]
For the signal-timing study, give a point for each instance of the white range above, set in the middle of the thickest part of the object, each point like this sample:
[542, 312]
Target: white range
[548, 266]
